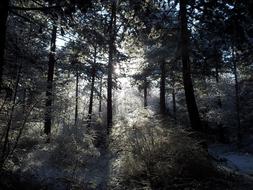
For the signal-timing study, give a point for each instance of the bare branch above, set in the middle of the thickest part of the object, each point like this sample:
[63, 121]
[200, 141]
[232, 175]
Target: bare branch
[34, 8]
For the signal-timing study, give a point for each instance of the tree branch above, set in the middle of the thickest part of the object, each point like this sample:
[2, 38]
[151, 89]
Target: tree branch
[34, 8]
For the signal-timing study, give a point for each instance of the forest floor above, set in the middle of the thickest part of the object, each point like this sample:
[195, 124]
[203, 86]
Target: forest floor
[45, 175]
[100, 171]
[98, 178]
[239, 161]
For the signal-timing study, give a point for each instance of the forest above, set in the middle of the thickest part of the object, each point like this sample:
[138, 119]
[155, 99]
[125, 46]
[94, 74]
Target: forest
[126, 95]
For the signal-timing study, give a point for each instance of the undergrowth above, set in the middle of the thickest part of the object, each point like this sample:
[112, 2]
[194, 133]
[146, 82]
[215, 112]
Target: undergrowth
[154, 155]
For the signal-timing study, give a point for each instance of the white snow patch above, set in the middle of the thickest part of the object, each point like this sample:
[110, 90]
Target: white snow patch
[243, 161]
[234, 159]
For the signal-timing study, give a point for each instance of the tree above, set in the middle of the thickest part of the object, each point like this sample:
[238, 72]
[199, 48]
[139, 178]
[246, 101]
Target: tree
[143, 82]
[77, 96]
[4, 9]
[5, 151]
[93, 75]
[188, 86]
[50, 78]
[112, 36]
[162, 88]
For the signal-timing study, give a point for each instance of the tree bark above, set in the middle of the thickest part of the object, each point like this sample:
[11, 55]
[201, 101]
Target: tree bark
[77, 94]
[4, 9]
[100, 95]
[174, 98]
[162, 88]
[188, 86]
[237, 98]
[92, 86]
[110, 65]
[50, 78]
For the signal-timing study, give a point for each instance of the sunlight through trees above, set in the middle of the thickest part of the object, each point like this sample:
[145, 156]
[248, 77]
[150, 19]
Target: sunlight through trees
[135, 94]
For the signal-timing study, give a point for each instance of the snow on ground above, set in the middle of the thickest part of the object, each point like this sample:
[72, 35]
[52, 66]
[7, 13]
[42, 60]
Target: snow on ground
[243, 161]
[233, 158]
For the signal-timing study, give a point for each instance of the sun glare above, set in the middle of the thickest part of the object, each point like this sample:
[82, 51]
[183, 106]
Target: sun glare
[117, 69]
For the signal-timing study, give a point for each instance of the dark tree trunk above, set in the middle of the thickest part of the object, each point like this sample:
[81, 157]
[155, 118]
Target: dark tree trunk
[174, 103]
[110, 65]
[217, 66]
[100, 95]
[234, 41]
[50, 78]
[24, 99]
[92, 87]
[145, 90]
[237, 98]
[188, 86]
[162, 88]
[77, 94]
[174, 98]
[237, 102]
[217, 78]
[5, 149]
[4, 8]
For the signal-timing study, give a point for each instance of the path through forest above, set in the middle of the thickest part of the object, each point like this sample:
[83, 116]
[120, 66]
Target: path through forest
[98, 172]
[237, 161]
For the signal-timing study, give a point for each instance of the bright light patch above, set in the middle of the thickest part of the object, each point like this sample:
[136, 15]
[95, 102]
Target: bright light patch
[117, 69]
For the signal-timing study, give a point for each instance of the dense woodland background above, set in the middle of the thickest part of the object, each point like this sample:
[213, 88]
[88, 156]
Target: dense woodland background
[133, 94]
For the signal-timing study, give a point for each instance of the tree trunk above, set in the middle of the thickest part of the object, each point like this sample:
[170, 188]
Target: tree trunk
[77, 94]
[145, 90]
[237, 98]
[100, 95]
[24, 99]
[174, 98]
[5, 150]
[217, 78]
[4, 8]
[237, 102]
[162, 88]
[110, 65]
[188, 86]
[50, 78]
[92, 87]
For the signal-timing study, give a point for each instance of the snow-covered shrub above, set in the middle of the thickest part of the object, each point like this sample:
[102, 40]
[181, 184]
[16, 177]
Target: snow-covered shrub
[153, 156]
[61, 163]
[73, 147]
[158, 155]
